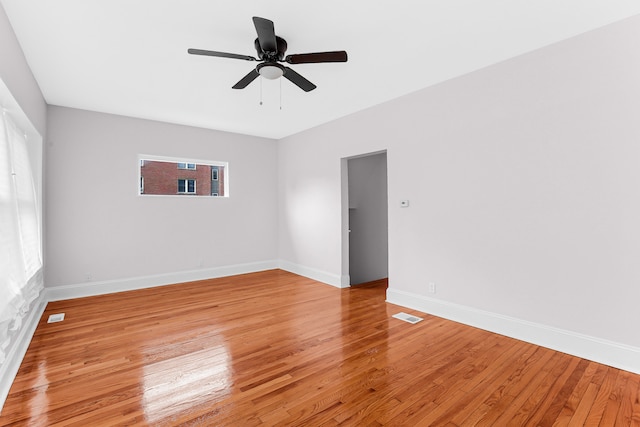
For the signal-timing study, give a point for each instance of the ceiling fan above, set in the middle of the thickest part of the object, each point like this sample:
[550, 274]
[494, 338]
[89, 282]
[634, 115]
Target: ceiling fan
[271, 49]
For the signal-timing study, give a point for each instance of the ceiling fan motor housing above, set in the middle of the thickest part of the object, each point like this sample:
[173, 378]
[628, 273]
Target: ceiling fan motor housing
[272, 56]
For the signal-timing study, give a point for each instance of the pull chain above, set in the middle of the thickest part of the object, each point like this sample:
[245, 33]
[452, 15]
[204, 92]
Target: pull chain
[280, 82]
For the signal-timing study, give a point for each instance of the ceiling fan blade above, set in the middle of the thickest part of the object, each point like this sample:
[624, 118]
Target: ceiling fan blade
[309, 58]
[244, 82]
[266, 34]
[220, 54]
[298, 80]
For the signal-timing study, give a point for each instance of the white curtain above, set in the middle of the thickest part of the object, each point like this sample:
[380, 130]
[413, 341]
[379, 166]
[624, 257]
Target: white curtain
[20, 248]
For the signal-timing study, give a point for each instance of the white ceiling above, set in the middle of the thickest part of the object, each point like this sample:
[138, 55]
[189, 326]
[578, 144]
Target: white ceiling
[129, 57]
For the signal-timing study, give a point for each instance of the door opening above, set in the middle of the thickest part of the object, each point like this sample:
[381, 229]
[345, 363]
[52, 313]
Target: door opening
[367, 218]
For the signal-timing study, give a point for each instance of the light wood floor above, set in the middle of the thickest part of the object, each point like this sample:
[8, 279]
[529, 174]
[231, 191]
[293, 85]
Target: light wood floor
[273, 348]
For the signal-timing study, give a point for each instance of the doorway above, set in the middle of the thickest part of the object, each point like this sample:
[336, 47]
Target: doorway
[367, 218]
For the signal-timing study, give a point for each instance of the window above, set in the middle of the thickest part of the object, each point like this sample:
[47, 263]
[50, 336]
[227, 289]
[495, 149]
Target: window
[162, 176]
[20, 238]
[187, 186]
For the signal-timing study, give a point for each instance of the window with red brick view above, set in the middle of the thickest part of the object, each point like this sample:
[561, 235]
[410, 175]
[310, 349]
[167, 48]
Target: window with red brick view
[168, 178]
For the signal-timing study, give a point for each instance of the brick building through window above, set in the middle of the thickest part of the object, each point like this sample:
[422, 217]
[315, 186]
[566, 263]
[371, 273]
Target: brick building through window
[179, 178]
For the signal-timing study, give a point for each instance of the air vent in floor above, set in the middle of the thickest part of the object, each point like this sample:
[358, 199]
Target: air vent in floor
[56, 318]
[407, 317]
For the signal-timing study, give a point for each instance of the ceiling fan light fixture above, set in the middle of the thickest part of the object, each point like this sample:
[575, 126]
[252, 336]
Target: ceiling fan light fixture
[270, 70]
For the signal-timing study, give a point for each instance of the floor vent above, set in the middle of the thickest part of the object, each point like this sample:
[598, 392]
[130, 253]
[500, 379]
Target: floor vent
[56, 318]
[407, 317]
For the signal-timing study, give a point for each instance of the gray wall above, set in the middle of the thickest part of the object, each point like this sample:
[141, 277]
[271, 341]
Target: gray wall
[368, 236]
[523, 180]
[16, 74]
[100, 229]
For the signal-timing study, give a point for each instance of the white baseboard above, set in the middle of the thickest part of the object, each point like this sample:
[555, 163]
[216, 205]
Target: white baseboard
[610, 353]
[321, 276]
[345, 281]
[9, 368]
[80, 290]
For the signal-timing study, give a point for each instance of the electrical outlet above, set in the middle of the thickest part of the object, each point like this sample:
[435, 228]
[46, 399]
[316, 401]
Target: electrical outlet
[432, 287]
[88, 277]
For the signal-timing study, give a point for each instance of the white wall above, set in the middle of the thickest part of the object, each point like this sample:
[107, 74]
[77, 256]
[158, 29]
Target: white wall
[310, 197]
[98, 226]
[16, 74]
[524, 186]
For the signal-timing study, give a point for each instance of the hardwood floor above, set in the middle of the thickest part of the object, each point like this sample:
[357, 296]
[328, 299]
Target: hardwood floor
[273, 348]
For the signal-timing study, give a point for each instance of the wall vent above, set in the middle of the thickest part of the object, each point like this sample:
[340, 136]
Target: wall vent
[407, 317]
[56, 318]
